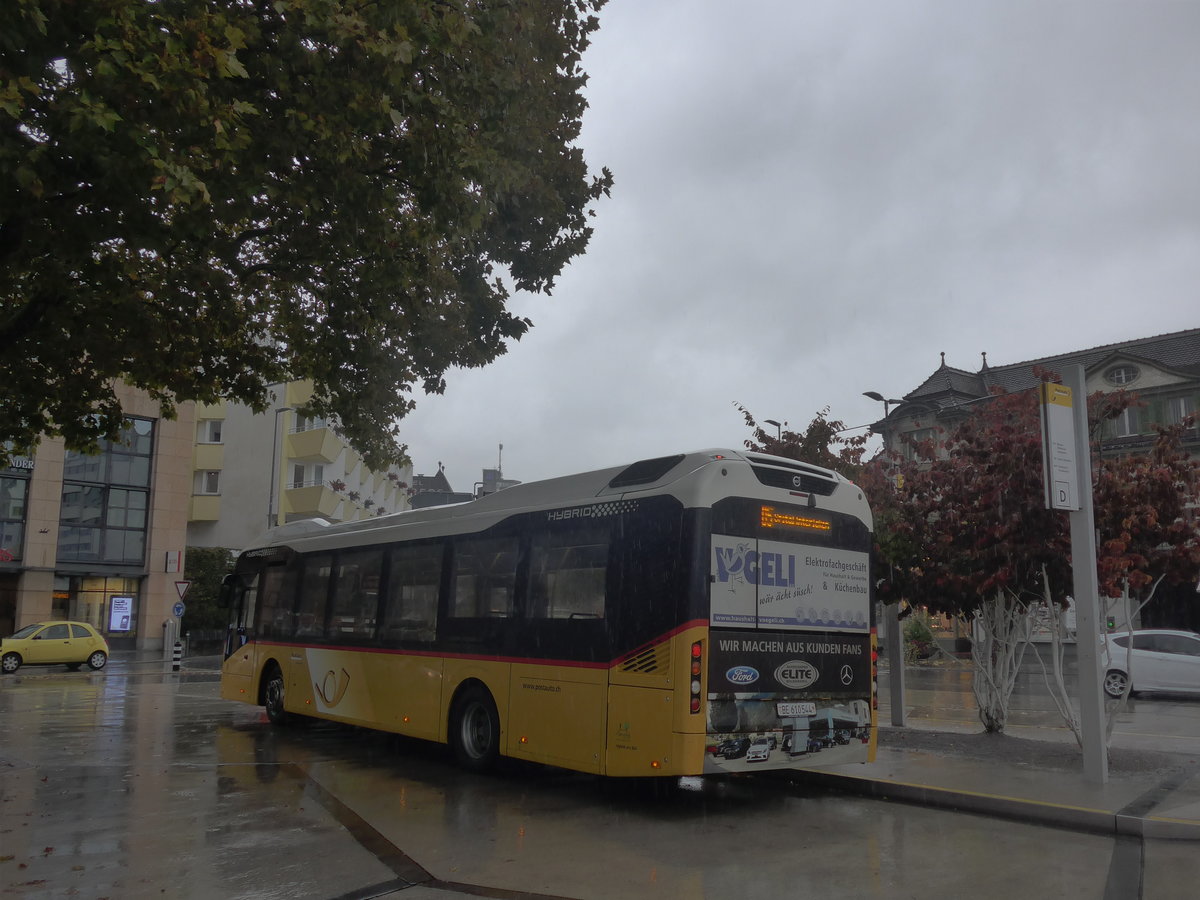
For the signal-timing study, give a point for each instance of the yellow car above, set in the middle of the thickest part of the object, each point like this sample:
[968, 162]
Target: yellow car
[54, 644]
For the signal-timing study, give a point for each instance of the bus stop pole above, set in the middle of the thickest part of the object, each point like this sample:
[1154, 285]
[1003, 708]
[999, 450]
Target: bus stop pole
[1086, 591]
[895, 652]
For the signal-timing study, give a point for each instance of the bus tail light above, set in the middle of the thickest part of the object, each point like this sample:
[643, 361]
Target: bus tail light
[697, 670]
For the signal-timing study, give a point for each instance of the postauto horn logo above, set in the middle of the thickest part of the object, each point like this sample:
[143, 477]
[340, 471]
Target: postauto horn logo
[742, 675]
[796, 674]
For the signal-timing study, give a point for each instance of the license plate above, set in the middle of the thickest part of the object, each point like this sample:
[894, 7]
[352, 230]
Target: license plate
[792, 710]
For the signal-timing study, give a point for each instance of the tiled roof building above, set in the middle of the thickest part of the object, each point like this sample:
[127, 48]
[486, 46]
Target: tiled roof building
[1163, 370]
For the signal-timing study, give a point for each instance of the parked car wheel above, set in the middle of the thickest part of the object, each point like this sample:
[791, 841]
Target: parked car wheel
[96, 660]
[10, 662]
[1114, 683]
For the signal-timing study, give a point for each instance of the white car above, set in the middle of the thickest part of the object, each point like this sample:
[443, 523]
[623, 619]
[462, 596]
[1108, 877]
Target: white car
[760, 750]
[1162, 661]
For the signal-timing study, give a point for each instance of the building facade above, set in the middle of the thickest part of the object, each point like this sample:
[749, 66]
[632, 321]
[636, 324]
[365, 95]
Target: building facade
[1163, 371]
[252, 471]
[100, 538]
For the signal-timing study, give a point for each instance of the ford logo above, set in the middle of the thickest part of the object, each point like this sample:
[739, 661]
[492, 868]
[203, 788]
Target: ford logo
[742, 675]
[796, 674]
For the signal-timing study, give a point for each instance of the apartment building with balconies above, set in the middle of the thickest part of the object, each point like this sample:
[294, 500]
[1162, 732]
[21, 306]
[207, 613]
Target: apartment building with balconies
[252, 471]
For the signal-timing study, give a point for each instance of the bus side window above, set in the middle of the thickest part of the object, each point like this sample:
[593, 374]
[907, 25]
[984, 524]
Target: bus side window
[567, 575]
[485, 578]
[414, 577]
[355, 594]
[275, 601]
[314, 595]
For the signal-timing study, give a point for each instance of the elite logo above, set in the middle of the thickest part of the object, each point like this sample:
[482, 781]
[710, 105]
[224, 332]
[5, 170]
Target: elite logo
[797, 674]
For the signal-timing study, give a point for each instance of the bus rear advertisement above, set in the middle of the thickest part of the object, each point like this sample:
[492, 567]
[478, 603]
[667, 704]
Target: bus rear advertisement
[706, 612]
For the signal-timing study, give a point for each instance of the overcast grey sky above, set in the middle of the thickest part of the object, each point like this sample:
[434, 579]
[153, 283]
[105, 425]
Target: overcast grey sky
[813, 199]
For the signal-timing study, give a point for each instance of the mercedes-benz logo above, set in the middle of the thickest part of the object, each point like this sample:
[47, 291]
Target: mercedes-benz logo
[847, 674]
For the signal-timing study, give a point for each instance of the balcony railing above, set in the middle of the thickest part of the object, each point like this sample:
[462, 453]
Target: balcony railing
[310, 501]
[205, 508]
[314, 445]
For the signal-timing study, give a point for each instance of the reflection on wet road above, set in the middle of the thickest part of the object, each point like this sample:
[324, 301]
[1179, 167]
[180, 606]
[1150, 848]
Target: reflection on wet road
[140, 785]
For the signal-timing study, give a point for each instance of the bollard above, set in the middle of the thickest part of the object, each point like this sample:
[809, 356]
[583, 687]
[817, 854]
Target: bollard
[177, 656]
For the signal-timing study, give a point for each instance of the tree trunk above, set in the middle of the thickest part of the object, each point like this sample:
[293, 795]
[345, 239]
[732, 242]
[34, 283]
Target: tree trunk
[1058, 687]
[1003, 624]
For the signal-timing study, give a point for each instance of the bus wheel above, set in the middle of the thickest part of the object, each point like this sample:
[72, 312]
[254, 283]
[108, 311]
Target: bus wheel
[475, 730]
[273, 696]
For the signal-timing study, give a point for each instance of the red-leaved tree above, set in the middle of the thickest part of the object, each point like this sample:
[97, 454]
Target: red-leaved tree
[962, 530]
[987, 548]
[972, 537]
[821, 443]
[1146, 516]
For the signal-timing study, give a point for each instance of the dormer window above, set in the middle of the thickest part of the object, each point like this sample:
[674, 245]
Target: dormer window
[1122, 375]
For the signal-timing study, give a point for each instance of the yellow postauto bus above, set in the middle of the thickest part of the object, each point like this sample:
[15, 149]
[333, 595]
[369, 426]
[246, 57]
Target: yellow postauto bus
[706, 612]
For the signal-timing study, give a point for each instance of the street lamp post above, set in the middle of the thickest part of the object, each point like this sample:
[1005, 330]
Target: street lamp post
[895, 640]
[875, 395]
[273, 496]
[778, 428]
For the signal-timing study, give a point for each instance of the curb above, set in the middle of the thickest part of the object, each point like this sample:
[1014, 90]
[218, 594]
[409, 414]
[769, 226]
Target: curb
[1075, 818]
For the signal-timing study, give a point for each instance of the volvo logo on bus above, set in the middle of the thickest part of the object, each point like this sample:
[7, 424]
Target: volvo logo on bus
[742, 675]
[796, 674]
[797, 480]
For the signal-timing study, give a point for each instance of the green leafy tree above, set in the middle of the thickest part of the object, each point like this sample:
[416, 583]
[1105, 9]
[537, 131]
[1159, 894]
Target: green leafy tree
[204, 198]
[205, 567]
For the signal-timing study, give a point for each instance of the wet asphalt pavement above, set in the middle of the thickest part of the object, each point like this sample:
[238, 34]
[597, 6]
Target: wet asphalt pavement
[141, 782]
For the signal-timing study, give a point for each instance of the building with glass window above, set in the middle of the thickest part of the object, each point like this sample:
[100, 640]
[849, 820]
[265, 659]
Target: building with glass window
[99, 538]
[252, 471]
